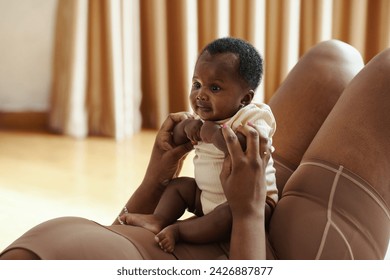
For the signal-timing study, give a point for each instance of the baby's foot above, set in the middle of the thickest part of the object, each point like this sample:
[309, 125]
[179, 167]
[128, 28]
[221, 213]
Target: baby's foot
[168, 237]
[150, 222]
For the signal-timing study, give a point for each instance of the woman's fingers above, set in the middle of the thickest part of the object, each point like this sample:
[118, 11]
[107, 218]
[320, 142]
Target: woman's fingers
[180, 116]
[252, 140]
[173, 119]
[258, 149]
[226, 169]
[264, 144]
[232, 143]
[165, 132]
[255, 144]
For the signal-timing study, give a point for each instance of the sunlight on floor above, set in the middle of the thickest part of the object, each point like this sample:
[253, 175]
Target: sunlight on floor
[45, 176]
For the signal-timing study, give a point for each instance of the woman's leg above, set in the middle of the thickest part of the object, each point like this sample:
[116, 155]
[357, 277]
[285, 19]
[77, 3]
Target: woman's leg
[336, 204]
[305, 98]
[71, 238]
[19, 254]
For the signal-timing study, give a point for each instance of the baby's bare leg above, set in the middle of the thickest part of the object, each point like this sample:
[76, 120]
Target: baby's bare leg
[178, 196]
[212, 227]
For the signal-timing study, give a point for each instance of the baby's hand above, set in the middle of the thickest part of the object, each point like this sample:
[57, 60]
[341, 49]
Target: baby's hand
[192, 130]
[208, 131]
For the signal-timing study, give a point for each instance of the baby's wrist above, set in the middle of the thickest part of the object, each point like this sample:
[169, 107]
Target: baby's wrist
[209, 130]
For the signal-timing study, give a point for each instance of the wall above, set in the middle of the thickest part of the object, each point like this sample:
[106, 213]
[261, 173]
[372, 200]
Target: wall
[26, 34]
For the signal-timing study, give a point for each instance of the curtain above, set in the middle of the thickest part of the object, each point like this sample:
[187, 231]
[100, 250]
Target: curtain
[132, 60]
[96, 73]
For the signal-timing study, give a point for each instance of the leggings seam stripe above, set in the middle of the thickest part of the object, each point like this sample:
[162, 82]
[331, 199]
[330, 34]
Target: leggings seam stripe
[329, 213]
[360, 185]
[345, 240]
[283, 165]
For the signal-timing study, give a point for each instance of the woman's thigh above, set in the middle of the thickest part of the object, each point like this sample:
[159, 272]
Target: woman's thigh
[73, 238]
[305, 98]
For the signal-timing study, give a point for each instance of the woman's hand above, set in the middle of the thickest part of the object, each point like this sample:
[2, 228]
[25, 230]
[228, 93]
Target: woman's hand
[243, 181]
[243, 173]
[164, 165]
[167, 158]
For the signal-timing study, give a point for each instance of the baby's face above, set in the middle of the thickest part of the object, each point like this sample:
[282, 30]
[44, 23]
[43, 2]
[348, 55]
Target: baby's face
[217, 89]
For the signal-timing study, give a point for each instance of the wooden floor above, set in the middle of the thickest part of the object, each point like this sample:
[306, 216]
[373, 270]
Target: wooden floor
[44, 176]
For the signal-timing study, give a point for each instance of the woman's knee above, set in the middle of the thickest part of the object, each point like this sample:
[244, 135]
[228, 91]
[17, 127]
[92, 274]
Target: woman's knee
[381, 62]
[338, 53]
[308, 94]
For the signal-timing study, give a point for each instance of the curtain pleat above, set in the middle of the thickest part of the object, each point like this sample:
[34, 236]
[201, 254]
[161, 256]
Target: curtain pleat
[94, 91]
[282, 44]
[68, 111]
[378, 27]
[154, 106]
[118, 60]
[350, 22]
[315, 23]
[207, 21]
[242, 26]
[177, 54]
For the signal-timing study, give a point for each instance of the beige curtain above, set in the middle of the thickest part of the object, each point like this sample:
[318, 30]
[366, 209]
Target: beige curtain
[98, 78]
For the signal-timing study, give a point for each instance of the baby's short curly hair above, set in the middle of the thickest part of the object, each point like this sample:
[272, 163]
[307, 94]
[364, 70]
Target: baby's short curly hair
[251, 62]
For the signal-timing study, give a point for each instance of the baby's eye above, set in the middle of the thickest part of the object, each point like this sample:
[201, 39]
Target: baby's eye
[215, 88]
[196, 85]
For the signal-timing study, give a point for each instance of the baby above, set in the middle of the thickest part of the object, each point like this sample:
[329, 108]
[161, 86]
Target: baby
[226, 75]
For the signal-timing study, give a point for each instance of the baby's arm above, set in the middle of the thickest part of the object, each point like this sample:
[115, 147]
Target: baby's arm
[212, 133]
[188, 129]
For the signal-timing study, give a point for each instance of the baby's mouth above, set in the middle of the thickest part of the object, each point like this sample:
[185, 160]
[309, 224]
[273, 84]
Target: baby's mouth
[203, 106]
[203, 109]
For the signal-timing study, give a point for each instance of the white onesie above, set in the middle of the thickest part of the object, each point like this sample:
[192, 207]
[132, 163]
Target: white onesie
[208, 159]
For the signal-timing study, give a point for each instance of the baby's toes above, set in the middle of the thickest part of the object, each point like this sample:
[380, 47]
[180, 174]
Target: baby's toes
[167, 246]
[165, 242]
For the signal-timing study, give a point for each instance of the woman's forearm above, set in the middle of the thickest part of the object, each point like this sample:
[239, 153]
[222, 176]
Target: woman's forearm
[147, 195]
[248, 238]
[144, 199]
[165, 163]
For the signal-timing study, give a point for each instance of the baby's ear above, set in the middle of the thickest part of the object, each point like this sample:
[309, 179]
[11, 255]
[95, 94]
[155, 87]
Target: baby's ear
[247, 98]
